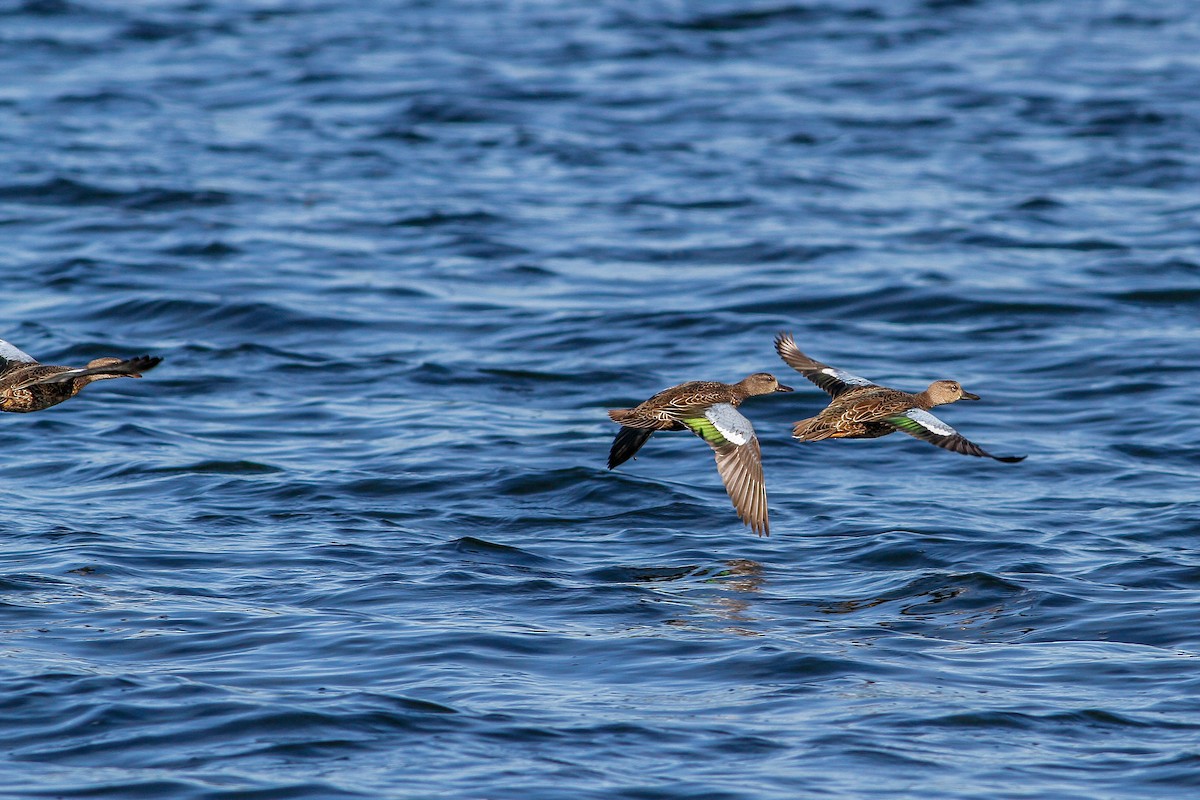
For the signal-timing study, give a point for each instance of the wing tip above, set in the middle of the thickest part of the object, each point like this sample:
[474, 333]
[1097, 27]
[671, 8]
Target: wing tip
[144, 363]
[785, 346]
[760, 525]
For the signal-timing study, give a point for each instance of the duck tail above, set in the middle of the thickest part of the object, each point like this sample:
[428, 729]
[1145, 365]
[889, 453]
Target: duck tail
[626, 445]
[810, 430]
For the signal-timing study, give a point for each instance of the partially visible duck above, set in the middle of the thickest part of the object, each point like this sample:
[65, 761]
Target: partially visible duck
[709, 410]
[26, 385]
[860, 409]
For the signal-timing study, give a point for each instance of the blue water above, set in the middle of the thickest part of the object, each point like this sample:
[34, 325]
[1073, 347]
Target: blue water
[355, 538]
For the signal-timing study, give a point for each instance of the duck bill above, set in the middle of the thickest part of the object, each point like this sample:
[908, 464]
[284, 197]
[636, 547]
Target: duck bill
[969, 396]
[782, 388]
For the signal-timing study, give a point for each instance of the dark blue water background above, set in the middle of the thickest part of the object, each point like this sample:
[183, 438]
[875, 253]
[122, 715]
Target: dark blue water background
[355, 538]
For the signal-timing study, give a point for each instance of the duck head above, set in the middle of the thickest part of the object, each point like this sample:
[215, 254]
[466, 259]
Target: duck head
[942, 392]
[762, 383]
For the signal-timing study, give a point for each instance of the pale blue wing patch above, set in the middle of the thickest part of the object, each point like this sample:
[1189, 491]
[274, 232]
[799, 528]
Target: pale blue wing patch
[923, 425]
[10, 352]
[730, 423]
[845, 377]
[929, 422]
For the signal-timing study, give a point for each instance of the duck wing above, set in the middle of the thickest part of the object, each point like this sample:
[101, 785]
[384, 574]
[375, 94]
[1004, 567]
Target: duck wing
[12, 357]
[134, 368]
[831, 379]
[739, 460]
[923, 425]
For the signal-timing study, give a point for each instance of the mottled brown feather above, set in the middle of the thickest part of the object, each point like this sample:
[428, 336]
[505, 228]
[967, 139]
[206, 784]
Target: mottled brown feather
[29, 386]
[740, 466]
[863, 412]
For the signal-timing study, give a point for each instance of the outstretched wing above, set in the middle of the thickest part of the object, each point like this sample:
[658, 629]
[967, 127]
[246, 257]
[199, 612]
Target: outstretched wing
[12, 357]
[739, 461]
[831, 379]
[134, 368]
[923, 425]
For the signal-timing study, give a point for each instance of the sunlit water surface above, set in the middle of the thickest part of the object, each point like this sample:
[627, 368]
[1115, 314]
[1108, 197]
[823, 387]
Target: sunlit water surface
[355, 537]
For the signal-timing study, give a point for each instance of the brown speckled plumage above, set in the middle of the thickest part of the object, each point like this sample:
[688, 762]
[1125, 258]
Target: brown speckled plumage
[708, 409]
[26, 385]
[860, 409]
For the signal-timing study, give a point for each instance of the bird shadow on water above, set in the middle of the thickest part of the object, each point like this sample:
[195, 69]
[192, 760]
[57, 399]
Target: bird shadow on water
[725, 592]
[968, 607]
[735, 597]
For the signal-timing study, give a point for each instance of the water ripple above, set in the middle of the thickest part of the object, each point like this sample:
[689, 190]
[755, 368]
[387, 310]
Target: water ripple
[355, 537]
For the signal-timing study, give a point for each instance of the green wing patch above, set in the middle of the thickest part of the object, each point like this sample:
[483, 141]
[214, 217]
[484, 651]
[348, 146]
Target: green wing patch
[908, 425]
[703, 427]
